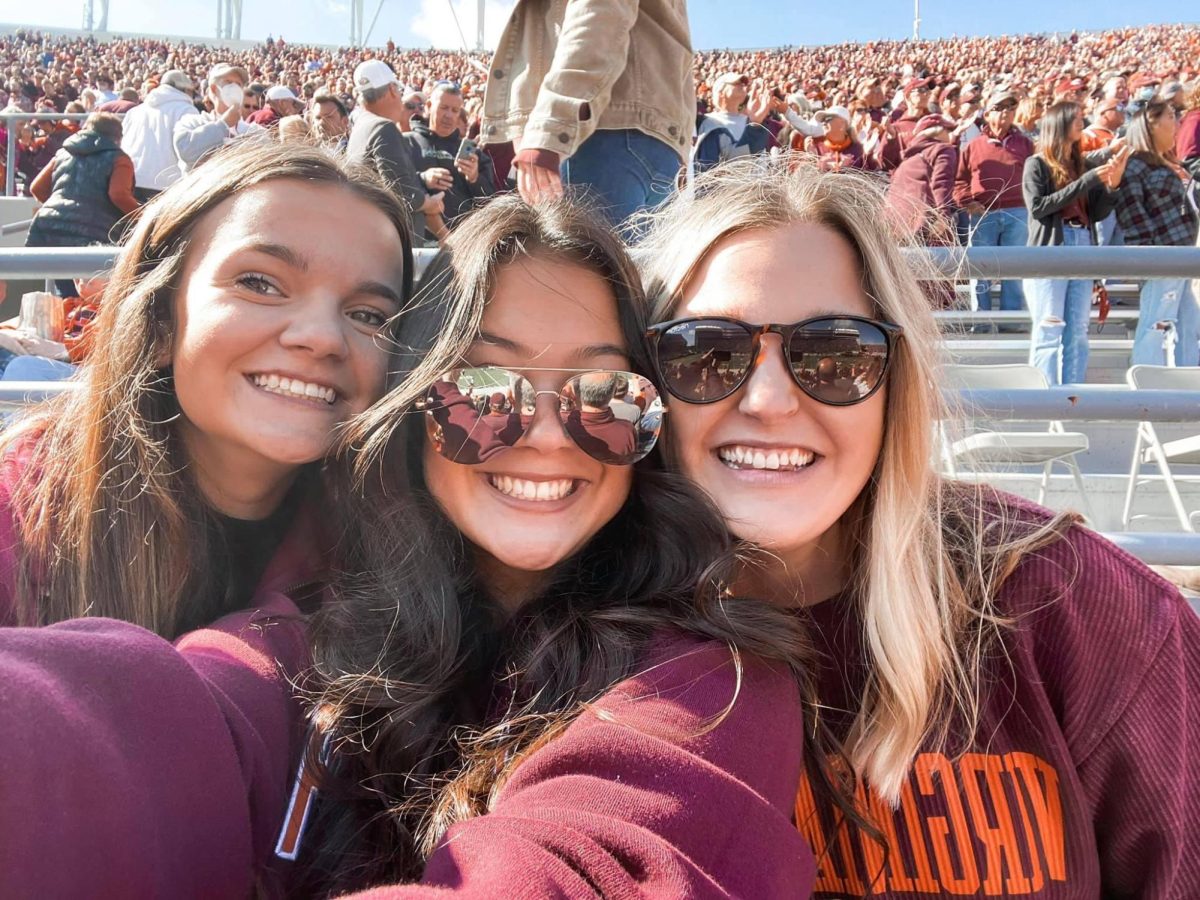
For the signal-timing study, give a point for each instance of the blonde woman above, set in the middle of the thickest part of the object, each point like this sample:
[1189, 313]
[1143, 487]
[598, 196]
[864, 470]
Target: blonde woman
[1010, 692]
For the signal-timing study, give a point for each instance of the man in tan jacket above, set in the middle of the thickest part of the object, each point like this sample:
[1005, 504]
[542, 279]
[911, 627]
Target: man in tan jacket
[598, 93]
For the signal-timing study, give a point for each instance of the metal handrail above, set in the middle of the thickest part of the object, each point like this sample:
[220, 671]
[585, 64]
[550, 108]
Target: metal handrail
[15, 227]
[1081, 402]
[971, 262]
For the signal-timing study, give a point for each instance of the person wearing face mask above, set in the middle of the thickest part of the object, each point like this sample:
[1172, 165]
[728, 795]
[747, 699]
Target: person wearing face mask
[163, 527]
[552, 725]
[200, 134]
[1003, 682]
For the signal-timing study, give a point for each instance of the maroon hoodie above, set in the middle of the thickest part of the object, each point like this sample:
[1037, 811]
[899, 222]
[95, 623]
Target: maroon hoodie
[921, 194]
[990, 170]
[1081, 781]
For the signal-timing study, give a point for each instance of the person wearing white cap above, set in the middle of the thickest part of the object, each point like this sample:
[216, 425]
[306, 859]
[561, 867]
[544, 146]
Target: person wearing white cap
[377, 139]
[198, 135]
[838, 149]
[148, 133]
[728, 132]
[281, 102]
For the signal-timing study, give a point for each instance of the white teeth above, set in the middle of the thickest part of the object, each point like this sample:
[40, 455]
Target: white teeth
[294, 387]
[737, 456]
[538, 491]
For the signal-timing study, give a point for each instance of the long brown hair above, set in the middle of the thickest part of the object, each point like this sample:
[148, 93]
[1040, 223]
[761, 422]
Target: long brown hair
[110, 522]
[1061, 154]
[401, 657]
[1140, 134]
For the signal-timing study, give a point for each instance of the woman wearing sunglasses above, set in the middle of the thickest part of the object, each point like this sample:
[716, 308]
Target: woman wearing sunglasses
[567, 721]
[1004, 684]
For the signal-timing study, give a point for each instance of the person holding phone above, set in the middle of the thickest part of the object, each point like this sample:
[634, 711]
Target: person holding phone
[445, 159]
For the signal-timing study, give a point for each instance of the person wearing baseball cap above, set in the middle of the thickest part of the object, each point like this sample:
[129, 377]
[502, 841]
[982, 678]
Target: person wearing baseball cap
[148, 133]
[921, 193]
[903, 125]
[838, 148]
[377, 139]
[196, 136]
[988, 188]
[734, 128]
[281, 102]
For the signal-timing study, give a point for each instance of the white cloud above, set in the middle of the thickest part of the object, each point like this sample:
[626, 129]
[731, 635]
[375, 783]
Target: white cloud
[435, 23]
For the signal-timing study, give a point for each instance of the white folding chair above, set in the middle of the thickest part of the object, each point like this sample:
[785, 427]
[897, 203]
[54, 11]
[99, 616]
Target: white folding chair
[1008, 448]
[1149, 449]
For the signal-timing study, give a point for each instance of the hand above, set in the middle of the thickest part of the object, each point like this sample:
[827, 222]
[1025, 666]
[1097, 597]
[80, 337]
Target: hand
[536, 183]
[231, 116]
[469, 167]
[434, 204]
[438, 179]
[758, 107]
[975, 209]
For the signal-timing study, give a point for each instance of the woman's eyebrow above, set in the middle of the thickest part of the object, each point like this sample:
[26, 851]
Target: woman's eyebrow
[379, 289]
[589, 351]
[281, 252]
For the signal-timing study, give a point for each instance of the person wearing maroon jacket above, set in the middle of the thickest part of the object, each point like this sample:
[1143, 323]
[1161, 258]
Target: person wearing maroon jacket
[988, 187]
[903, 121]
[544, 728]
[921, 192]
[1010, 692]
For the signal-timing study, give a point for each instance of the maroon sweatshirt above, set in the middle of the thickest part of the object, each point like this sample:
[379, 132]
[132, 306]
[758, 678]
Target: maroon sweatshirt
[663, 789]
[990, 170]
[1081, 781]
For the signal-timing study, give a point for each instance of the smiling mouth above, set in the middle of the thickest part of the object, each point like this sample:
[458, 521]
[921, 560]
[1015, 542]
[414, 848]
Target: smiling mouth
[294, 388]
[775, 459]
[537, 491]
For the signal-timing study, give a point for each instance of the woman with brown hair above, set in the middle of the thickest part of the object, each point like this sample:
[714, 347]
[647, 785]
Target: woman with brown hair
[174, 497]
[1065, 193]
[584, 712]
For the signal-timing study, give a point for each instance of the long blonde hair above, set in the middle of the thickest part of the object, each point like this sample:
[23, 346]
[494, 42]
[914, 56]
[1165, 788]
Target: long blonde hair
[110, 522]
[929, 555]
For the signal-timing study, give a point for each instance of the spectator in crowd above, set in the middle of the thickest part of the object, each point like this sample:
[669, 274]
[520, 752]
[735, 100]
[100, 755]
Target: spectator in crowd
[921, 194]
[839, 147]
[199, 134]
[1065, 193]
[1070, 90]
[988, 188]
[376, 139]
[1028, 117]
[442, 161]
[280, 102]
[904, 121]
[1175, 94]
[330, 120]
[149, 133]
[735, 127]
[1187, 138]
[1108, 117]
[1153, 210]
[104, 89]
[126, 100]
[84, 191]
[294, 129]
[563, 89]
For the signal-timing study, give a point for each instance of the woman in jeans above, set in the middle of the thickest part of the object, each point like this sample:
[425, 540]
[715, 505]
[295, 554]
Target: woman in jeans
[1153, 210]
[1064, 193]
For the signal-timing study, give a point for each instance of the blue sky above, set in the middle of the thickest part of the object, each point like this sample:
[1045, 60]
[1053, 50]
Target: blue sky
[715, 23]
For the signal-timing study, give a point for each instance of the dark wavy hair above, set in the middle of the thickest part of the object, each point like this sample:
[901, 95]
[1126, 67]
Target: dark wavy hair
[1062, 155]
[401, 656]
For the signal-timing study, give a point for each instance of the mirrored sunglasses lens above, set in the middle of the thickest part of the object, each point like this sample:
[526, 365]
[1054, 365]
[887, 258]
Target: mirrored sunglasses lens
[471, 414]
[614, 417]
[838, 361]
[705, 359]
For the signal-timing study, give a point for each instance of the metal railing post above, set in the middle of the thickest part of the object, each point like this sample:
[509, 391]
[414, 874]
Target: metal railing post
[10, 161]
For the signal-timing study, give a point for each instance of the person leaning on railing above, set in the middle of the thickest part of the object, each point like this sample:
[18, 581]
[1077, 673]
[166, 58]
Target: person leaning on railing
[1153, 210]
[85, 190]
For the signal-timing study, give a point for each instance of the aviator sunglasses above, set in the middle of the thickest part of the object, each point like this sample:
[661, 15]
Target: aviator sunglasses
[473, 413]
[835, 360]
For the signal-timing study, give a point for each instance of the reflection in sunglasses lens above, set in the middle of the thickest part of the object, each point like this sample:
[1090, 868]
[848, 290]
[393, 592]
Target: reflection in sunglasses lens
[474, 413]
[705, 359]
[838, 361]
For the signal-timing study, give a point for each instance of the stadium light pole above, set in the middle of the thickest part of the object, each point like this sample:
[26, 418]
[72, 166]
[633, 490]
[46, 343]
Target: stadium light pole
[916, 20]
[479, 27]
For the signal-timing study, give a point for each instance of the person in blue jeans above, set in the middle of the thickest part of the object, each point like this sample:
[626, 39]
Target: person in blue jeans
[1153, 210]
[564, 88]
[1065, 193]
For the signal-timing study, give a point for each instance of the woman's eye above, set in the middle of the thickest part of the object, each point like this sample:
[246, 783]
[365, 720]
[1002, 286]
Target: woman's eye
[259, 284]
[372, 317]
